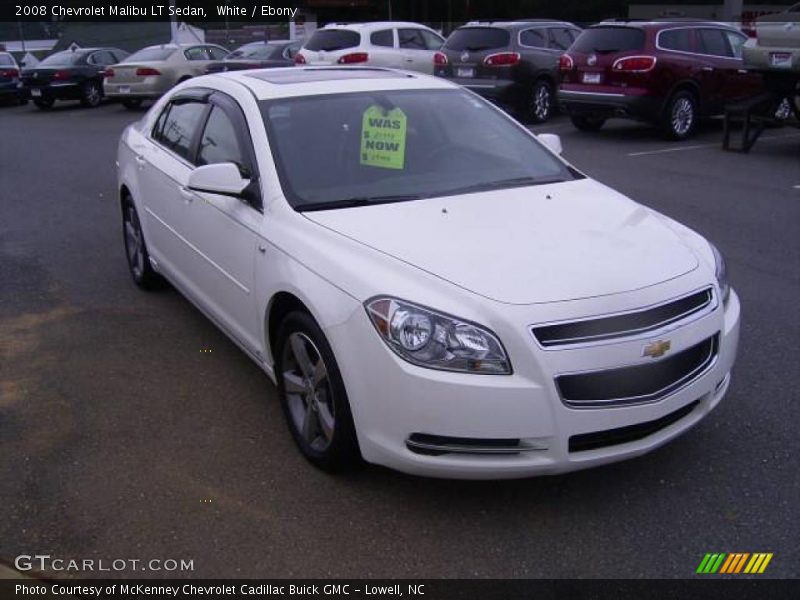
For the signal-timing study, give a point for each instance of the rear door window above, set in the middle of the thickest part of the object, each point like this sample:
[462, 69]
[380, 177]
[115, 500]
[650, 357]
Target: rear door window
[477, 39]
[411, 39]
[196, 53]
[609, 40]
[534, 38]
[179, 126]
[675, 39]
[383, 38]
[333, 39]
[736, 41]
[560, 38]
[432, 41]
[102, 57]
[216, 53]
[713, 42]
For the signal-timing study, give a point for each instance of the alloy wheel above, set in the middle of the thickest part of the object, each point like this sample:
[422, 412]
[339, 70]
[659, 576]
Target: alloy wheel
[682, 117]
[541, 102]
[308, 391]
[134, 242]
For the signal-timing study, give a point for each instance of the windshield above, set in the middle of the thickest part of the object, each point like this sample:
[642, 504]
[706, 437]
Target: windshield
[260, 52]
[66, 57]
[476, 39]
[609, 39]
[372, 147]
[151, 54]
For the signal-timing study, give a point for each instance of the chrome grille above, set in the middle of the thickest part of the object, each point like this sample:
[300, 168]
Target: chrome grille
[623, 325]
[638, 383]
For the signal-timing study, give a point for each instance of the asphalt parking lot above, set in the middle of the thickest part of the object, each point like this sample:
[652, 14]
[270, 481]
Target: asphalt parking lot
[130, 427]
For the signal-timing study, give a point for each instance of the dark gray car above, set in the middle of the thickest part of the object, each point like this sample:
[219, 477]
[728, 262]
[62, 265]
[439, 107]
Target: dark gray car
[514, 64]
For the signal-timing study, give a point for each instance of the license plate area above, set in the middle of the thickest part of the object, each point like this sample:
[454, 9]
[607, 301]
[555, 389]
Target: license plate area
[465, 72]
[594, 78]
[124, 89]
[782, 60]
[36, 92]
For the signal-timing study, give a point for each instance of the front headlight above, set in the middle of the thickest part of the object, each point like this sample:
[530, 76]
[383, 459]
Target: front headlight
[721, 273]
[436, 341]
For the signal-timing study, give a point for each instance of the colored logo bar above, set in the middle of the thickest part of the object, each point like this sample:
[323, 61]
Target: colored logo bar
[734, 563]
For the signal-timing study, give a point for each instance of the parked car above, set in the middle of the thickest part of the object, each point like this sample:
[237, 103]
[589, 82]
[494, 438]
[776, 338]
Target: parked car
[75, 74]
[409, 46]
[258, 55]
[775, 53]
[669, 74]
[10, 82]
[430, 285]
[513, 64]
[151, 71]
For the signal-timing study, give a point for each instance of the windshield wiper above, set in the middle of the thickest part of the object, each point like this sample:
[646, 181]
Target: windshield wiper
[355, 202]
[502, 183]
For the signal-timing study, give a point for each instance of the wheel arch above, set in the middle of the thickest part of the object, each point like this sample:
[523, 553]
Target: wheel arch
[685, 85]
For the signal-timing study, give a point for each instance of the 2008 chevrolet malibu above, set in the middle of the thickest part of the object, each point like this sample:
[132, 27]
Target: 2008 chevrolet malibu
[430, 285]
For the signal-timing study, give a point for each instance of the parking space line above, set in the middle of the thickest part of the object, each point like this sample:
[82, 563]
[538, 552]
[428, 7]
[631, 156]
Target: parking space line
[715, 144]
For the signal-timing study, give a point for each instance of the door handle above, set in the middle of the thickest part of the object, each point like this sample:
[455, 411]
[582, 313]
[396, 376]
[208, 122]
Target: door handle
[742, 71]
[707, 69]
[187, 194]
[141, 161]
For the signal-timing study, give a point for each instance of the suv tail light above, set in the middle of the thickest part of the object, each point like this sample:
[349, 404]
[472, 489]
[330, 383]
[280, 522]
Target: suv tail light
[108, 73]
[634, 64]
[502, 59]
[440, 59]
[146, 72]
[62, 74]
[353, 58]
[299, 59]
[10, 73]
[565, 63]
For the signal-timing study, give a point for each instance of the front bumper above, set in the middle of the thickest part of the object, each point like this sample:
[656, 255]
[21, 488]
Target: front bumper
[580, 100]
[393, 402]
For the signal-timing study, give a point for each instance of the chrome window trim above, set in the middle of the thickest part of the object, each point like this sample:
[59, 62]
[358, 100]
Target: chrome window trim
[717, 27]
[652, 331]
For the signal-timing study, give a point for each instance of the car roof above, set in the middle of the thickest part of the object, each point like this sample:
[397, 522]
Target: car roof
[665, 24]
[309, 81]
[519, 24]
[373, 25]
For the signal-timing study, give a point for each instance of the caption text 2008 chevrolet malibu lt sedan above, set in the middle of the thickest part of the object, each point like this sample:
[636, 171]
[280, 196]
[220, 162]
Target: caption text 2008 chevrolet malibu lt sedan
[431, 286]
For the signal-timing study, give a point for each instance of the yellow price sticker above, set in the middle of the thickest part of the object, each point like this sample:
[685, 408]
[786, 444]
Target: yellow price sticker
[383, 138]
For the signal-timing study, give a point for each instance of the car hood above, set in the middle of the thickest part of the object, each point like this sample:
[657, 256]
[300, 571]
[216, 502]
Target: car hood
[526, 245]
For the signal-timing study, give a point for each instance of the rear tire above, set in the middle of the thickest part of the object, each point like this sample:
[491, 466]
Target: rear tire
[539, 105]
[313, 396]
[136, 249]
[132, 103]
[680, 116]
[587, 123]
[91, 94]
[44, 103]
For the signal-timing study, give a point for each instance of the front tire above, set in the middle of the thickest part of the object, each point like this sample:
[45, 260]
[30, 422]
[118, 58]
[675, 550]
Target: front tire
[136, 250]
[680, 116]
[586, 122]
[44, 103]
[540, 102]
[313, 395]
[132, 103]
[91, 94]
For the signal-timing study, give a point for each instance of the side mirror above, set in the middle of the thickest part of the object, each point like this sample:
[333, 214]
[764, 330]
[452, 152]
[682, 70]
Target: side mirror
[552, 141]
[219, 178]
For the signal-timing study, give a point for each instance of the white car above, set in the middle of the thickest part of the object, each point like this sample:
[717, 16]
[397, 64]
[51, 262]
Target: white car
[429, 284]
[393, 44]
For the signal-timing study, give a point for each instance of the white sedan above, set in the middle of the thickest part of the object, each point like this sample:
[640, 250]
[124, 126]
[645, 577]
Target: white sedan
[431, 287]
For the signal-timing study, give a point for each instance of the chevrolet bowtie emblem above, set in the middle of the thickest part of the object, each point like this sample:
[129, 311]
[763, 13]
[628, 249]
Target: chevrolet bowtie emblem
[657, 349]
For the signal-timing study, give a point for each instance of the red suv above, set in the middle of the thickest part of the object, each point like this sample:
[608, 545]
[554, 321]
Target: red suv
[669, 74]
